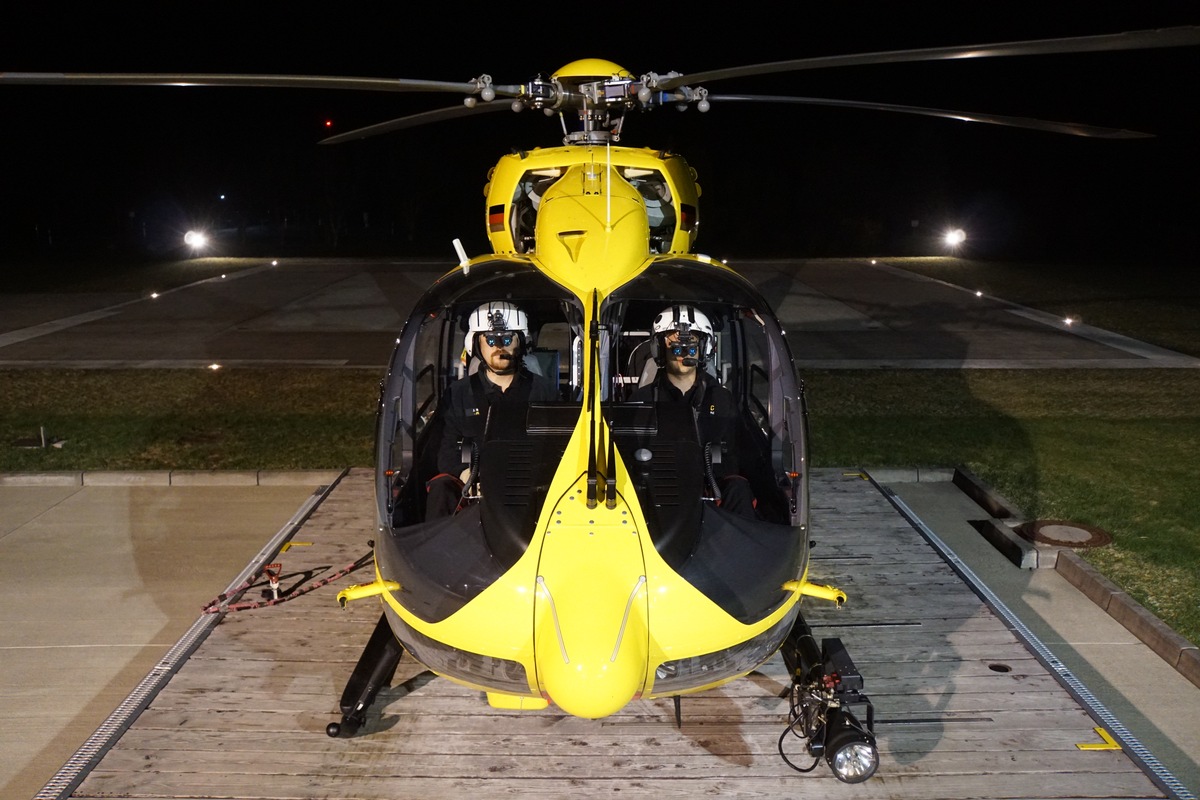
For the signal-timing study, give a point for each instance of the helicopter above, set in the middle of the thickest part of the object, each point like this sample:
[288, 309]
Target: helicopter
[590, 561]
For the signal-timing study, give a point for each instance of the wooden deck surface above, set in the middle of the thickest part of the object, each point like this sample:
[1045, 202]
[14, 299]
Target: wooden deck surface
[963, 709]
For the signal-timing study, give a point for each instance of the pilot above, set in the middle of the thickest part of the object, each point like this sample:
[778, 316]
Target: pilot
[497, 334]
[683, 342]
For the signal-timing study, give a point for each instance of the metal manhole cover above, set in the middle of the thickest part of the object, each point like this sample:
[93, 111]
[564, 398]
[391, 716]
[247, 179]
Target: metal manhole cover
[1063, 534]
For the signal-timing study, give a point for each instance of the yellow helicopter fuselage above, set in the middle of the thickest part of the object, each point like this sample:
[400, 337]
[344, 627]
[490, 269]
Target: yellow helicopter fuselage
[664, 187]
[591, 615]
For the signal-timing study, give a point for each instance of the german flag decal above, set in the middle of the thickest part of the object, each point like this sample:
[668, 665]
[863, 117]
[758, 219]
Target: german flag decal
[495, 218]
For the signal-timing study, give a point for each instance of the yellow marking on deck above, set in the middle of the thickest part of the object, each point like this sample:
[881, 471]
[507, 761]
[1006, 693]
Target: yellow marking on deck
[1109, 742]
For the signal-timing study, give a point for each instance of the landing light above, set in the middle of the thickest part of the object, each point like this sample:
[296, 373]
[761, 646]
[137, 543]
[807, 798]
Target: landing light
[954, 238]
[849, 751]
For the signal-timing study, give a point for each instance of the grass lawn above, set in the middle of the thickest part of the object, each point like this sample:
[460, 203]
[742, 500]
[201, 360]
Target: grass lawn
[1118, 449]
[189, 419]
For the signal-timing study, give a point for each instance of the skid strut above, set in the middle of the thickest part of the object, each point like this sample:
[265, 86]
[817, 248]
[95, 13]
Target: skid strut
[375, 669]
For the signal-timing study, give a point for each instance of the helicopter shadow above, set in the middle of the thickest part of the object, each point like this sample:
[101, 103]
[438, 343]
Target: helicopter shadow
[717, 721]
[397, 692]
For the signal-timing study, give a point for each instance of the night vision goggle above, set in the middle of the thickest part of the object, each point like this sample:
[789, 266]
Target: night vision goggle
[504, 339]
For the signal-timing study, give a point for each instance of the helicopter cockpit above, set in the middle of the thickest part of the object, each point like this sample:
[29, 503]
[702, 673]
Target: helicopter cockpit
[449, 562]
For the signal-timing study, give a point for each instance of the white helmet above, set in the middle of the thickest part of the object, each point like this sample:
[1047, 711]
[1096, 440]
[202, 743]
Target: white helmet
[685, 320]
[495, 316]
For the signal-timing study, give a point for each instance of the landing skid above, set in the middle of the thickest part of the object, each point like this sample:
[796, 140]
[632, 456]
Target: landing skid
[374, 671]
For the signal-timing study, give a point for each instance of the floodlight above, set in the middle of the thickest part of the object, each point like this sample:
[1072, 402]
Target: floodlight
[849, 750]
[197, 240]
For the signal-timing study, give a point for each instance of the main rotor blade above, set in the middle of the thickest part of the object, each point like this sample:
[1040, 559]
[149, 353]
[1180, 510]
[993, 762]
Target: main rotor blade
[1135, 40]
[1070, 128]
[416, 120]
[263, 81]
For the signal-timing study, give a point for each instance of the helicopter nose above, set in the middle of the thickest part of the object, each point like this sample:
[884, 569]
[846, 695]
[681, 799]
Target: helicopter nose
[591, 610]
[587, 666]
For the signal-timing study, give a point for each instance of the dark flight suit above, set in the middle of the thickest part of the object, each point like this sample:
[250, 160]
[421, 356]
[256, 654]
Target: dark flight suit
[716, 422]
[465, 411]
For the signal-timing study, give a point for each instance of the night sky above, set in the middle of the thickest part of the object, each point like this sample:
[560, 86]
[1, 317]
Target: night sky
[115, 170]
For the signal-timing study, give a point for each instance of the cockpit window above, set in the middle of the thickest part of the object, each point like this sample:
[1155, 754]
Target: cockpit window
[660, 205]
[526, 200]
[651, 184]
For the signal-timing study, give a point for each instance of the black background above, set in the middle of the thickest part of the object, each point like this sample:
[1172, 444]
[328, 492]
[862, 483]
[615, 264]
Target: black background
[123, 170]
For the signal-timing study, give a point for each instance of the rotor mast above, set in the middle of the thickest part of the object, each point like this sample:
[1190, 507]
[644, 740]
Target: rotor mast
[599, 92]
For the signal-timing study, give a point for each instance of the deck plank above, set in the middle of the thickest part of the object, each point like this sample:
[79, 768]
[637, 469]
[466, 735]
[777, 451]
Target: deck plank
[963, 709]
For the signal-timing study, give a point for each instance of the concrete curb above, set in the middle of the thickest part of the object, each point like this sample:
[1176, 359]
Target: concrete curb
[1025, 555]
[1177, 651]
[182, 477]
[986, 497]
[1153, 632]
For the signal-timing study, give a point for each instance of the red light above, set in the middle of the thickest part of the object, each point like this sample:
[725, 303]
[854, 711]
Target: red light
[328, 123]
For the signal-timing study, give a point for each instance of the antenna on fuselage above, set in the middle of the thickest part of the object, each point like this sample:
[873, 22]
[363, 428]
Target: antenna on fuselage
[462, 256]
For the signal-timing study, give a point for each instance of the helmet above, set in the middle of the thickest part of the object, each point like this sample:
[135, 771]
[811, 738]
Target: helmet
[495, 316]
[686, 320]
[683, 319]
